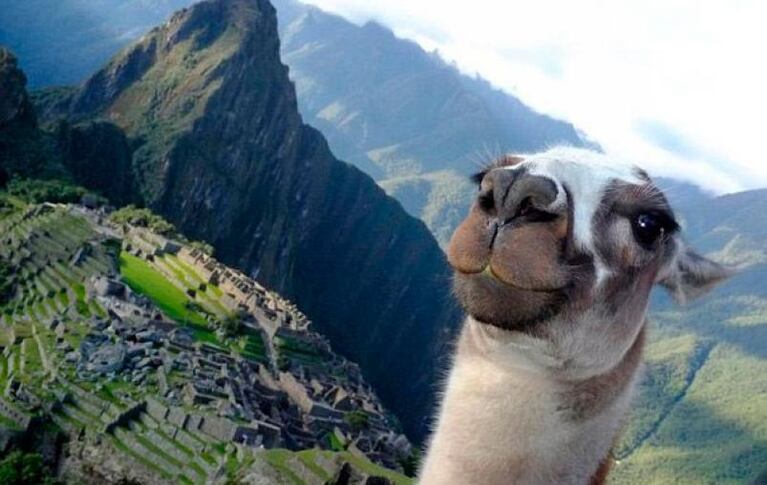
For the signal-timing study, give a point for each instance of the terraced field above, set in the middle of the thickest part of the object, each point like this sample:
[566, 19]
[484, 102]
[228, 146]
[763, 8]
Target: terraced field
[55, 251]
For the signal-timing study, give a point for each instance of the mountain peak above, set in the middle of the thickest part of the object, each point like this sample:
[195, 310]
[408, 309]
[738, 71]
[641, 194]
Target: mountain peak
[14, 101]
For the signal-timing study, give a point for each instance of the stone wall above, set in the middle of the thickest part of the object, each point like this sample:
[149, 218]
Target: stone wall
[124, 417]
[17, 416]
[221, 429]
[296, 391]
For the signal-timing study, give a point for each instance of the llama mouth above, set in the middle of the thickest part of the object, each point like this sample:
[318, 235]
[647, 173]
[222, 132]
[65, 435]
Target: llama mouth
[489, 274]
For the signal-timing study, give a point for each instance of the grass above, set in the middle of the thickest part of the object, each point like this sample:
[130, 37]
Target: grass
[122, 447]
[280, 459]
[144, 279]
[80, 302]
[186, 269]
[8, 424]
[253, 347]
[156, 450]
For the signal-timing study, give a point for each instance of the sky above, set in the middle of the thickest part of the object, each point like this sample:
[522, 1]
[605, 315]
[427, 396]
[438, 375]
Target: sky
[675, 86]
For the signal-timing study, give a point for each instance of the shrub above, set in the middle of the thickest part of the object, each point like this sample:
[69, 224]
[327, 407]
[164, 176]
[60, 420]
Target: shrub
[357, 419]
[232, 325]
[7, 283]
[142, 217]
[20, 468]
[36, 191]
[204, 247]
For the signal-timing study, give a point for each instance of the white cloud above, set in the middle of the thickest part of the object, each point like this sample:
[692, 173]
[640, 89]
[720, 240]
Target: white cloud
[692, 70]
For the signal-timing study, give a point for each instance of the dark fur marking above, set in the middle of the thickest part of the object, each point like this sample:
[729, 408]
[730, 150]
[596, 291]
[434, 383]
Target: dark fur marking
[587, 399]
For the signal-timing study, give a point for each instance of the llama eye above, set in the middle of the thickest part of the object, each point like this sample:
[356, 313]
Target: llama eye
[649, 227]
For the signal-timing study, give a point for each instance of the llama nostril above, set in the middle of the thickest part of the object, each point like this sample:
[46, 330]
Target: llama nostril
[486, 200]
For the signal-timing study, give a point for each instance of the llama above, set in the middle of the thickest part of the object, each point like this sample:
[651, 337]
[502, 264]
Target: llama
[554, 266]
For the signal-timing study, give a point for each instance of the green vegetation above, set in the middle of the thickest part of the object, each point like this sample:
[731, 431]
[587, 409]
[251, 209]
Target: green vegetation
[701, 416]
[334, 443]
[35, 191]
[292, 349]
[146, 280]
[253, 346]
[357, 419]
[232, 325]
[411, 464]
[204, 247]
[143, 218]
[7, 282]
[19, 468]
[441, 199]
[310, 466]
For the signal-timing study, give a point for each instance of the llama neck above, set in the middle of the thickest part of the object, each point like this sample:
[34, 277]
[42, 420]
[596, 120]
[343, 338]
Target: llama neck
[507, 417]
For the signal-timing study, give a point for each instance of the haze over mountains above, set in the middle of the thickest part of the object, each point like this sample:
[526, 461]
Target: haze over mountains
[405, 116]
[203, 112]
[84, 32]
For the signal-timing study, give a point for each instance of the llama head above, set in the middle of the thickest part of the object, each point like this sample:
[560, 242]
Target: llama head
[564, 247]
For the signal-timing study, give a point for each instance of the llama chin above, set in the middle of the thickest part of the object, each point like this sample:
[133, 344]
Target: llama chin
[554, 266]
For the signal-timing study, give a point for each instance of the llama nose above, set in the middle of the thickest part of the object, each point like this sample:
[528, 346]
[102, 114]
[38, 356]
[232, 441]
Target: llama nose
[506, 194]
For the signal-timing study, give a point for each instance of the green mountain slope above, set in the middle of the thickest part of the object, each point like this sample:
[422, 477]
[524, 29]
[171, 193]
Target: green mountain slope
[701, 413]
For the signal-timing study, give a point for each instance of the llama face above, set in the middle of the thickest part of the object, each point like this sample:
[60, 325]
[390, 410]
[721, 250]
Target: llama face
[570, 235]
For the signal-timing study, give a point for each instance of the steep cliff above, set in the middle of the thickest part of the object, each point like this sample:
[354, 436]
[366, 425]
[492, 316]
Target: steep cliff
[95, 155]
[24, 149]
[404, 115]
[221, 151]
[394, 109]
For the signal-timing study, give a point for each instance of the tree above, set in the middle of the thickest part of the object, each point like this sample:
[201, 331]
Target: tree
[203, 247]
[37, 191]
[141, 217]
[412, 462]
[19, 468]
[6, 282]
[357, 419]
[232, 325]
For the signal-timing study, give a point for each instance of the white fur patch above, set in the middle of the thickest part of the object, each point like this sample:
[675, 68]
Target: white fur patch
[586, 174]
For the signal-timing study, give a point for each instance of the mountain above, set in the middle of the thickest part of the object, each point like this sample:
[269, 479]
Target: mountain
[96, 153]
[403, 115]
[218, 148]
[442, 121]
[66, 41]
[393, 109]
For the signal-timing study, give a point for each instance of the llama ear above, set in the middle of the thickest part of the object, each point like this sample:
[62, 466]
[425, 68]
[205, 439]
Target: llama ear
[692, 275]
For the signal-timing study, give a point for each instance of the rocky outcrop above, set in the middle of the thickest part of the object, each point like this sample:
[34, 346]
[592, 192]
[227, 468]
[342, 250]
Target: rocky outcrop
[221, 151]
[95, 154]
[98, 156]
[24, 148]
[14, 101]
